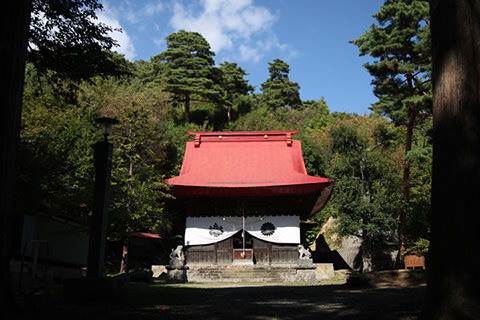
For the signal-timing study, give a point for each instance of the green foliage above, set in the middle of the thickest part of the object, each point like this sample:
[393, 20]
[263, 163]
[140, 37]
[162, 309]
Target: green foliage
[257, 120]
[419, 247]
[278, 91]
[171, 145]
[401, 46]
[190, 71]
[367, 194]
[66, 37]
[234, 86]
[55, 156]
[151, 73]
[321, 117]
[418, 224]
[233, 82]
[136, 187]
[362, 153]
[402, 69]
[316, 161]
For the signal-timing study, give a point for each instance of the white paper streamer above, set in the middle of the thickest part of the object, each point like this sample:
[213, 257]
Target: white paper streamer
[276, 229]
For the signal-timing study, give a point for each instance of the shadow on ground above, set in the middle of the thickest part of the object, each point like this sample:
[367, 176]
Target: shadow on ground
[140, 301]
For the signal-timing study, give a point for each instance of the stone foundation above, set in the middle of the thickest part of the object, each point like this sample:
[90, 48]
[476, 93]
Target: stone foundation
[259, 274]
[324, 271]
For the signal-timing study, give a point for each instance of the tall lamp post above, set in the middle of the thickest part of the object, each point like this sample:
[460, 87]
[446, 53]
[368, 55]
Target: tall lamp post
[98, 223]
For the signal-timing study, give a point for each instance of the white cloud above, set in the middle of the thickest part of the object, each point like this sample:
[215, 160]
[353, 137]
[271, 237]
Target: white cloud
[249, 54]
[227, 24]
[151, 9]
[134, 14]
[272, 43]
[132, 17]
[125, 45]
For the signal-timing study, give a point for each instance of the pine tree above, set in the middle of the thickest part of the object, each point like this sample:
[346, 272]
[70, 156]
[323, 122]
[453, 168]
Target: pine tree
[233, 84]
[401, 45]
[278, 90]
[190, 72]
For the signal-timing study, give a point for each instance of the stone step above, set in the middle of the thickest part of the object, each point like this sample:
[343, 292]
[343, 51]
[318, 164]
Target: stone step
[249, 274]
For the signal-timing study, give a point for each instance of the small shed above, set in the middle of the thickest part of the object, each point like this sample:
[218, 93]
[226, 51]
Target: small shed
[146, 249]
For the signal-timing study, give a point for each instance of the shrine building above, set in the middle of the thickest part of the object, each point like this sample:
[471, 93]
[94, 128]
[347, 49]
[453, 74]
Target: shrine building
[244, 196]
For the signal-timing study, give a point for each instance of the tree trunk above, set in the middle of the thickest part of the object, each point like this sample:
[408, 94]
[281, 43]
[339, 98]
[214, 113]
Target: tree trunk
[366, 249]
[187, 108]
[453, 282]
[402, 230]
[15, 19]
[124, 262]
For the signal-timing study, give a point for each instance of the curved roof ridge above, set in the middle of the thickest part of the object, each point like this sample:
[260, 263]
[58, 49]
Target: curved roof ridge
[244, 162]
[243, 133]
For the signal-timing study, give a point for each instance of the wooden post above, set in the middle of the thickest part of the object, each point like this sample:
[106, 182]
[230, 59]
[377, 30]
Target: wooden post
[243, 237]
[269, 253]
[98, 225]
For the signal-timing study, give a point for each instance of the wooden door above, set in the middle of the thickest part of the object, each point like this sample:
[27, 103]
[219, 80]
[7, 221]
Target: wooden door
[200, 254]
[284, 254]
[261, 251]
[238, 253]
[225, 251]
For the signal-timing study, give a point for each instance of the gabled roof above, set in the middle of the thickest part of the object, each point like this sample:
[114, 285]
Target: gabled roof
[244, 163]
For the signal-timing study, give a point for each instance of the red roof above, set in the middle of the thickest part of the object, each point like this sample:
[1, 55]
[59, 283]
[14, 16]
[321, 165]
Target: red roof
[145, 235]
[244, 163]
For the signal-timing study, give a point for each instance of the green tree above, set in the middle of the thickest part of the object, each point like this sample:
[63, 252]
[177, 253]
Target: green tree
[55, 156]
[278, 91]
[66, 37]
[366, 196]
[401, 45]
[136, 195]
[234, 84]
[190, 72]
[260, 119]
[150, 73]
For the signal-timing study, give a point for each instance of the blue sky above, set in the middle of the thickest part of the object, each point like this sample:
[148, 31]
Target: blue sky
[310, 35]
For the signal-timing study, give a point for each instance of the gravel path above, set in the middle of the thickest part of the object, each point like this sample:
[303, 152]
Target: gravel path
[256, 302]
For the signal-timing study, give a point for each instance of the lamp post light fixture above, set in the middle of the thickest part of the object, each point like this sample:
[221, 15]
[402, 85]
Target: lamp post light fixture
[98, 223]
[107, 124]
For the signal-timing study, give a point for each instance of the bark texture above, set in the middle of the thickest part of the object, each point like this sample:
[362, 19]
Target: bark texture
[454, 281]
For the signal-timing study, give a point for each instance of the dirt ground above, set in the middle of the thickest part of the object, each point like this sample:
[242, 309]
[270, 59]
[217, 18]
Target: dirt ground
[380, 296]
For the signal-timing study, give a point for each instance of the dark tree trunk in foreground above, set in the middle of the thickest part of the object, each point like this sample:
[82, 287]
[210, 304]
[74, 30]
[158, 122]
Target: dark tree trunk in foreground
[15, 18]
[454, 281]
